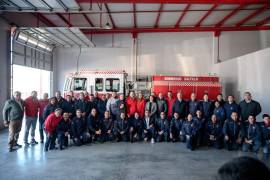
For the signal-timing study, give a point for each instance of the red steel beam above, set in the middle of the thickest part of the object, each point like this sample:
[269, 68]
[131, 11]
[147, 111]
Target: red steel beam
[179, 1]
[134, 15]
[64, 19]
[45, 20]
[182, 16]
[182, 29]
[220, 23]
[252, 15]
[158, 16]
[88, 20]
[263, 22]
[206, 15]
[110, 16]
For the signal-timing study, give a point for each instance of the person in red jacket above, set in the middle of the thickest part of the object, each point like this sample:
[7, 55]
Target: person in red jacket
[170, 101]
[42, 104]
[131, 104]
[31, 114]
[51, 123]
[141, 105]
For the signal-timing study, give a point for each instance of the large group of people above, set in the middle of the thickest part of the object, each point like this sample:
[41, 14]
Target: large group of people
[114, 117]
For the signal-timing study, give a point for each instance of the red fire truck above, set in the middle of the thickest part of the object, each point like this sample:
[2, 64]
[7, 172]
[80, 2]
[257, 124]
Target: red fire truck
[116, 81]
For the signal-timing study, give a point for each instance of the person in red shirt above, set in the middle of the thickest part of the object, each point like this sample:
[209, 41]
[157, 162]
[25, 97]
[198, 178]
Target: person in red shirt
[170, 101]
[141, 105]
[131, 104]
[51, 123]
[31, 114]
[42, 104]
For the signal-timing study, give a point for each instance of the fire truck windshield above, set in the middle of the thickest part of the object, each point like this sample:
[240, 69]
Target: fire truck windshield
[112, 85]
[79, 84]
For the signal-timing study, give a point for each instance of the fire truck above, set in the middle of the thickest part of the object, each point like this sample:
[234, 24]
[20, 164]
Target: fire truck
[117, 81]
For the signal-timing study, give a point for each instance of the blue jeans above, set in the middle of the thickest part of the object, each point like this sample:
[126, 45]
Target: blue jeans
[30, 123]
[41, 128]
[255, 146]
[266, 147]
[50, 141]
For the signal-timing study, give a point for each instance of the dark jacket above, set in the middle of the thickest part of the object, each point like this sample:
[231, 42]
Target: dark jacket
[193, 106]
[78, 127]
[107, 125]
[176, 125]
[137, 124]
[83, 106]
[63, 127]
[13, 110]
[252, 132]
[251, 108]
[265, 132]
[151, 122]
[190, 128]
[180, 108]
[162, 125]
[101, 107]
[232, 128]
[48, 110]
[229, 108]
[214, 129]
[220, 114]
[94, 124]
[162, 106]
[62, 103]
[121, 125]
[207, 109]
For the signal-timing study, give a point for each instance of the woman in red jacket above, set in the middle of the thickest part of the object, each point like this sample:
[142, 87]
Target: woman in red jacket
[141, 105]
[51, 123]
[131, 104]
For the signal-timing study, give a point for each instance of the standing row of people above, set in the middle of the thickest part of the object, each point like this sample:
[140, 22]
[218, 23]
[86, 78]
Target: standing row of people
[133, 118]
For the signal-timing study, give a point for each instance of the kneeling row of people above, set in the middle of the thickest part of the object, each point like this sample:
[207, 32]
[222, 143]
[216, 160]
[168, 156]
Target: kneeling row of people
[195, 131]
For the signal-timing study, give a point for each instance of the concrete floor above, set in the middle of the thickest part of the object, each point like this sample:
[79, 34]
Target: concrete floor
[112, 161]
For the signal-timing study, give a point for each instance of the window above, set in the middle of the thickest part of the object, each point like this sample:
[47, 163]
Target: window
[79, 84]
[112, 84]
[99, 84]
[67, 84]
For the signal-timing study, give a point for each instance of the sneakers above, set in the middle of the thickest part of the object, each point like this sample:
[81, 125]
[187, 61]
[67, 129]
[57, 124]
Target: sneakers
[10, 149]
[26, 144]
[17, 145]
[152, 141]
[34, 142]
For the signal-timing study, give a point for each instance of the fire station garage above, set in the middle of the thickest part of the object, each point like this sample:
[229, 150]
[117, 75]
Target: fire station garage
[134, 89]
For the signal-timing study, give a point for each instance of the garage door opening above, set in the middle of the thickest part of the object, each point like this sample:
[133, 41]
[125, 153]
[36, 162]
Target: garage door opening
[26, 80]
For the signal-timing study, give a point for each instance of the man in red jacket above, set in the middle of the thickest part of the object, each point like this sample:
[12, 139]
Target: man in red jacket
[31, 114]
[51, 123]
[42, 104]
[131, 103]
[141, 105]
[170, 101]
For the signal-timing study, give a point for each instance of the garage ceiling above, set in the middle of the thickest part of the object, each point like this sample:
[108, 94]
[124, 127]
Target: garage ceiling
[131, 16]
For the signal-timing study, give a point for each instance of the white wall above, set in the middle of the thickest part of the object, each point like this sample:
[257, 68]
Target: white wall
[4, 51]
[247, 73]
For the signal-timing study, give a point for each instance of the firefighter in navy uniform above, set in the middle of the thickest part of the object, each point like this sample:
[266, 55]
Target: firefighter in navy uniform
[266, 135]
[190, 130]
[176, 128]
[252, 135]
[231, 106]
[207, 107]
[83, 105]
[148, 127]
[200, 123]
[79, 129]
[214, 133]
[121, 128]
[193, 105]
[63, 130]
[220, 113]
[107, 129]
[162, 128]
[135, 128]
[231, 130]
[95, 126]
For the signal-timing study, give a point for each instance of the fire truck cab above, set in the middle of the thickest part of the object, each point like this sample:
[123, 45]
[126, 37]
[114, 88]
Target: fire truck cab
[95, 81]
